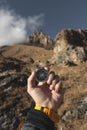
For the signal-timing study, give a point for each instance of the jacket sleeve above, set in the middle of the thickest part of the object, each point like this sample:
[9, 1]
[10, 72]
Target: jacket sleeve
[37, 120]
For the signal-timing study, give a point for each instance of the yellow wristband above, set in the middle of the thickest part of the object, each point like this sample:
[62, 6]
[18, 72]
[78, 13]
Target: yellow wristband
[49, 112]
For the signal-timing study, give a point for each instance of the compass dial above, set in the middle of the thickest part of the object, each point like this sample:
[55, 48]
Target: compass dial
[41, 75]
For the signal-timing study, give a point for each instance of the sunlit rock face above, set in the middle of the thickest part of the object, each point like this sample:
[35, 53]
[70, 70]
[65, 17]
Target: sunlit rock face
[70, 47]
[40, 39]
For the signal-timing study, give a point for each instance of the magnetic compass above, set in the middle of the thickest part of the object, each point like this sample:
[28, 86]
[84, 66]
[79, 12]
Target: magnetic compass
[41, 75]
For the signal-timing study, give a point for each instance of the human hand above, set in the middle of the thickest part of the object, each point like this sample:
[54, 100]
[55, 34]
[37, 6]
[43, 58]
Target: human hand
[46, 94]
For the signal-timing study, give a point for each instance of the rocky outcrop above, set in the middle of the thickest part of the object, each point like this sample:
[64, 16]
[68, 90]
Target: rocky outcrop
[40, 39]
[70, 47]
[78, 112]
[74, 114]
[13, 81]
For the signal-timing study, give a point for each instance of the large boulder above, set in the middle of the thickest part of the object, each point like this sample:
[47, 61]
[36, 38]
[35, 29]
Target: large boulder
[70, 47]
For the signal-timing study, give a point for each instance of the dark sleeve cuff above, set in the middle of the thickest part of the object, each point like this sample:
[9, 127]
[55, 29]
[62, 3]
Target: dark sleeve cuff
[39, 120]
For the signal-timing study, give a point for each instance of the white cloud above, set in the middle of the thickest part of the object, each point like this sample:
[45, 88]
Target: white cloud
[14, 28]
[35, 21]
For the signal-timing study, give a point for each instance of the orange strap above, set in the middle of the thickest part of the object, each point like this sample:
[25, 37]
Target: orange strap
[49, 112]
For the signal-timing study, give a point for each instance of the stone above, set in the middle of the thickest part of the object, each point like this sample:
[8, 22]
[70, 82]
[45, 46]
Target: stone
[70, 47]
[79, 112]
[40, 39]
[30, 60]
[12, 78]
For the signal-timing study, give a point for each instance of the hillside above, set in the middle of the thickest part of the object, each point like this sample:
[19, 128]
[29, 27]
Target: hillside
[16, 64]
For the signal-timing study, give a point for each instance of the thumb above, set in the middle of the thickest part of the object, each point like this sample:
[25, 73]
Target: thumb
[31, 80]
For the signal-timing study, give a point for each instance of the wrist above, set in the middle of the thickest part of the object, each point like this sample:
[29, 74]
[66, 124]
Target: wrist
[47, 105]
[49, 112]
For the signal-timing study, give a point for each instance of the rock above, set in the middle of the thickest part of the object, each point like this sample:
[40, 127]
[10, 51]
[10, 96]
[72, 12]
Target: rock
[30, 60]
[6, 118]
[71, 37]
[9, 121]
[42, 64]
[69, 115]
[15, 123]
[40, 39]
[11, 63]
[70, 47]
[70, 55]
[79, 112]
[12, 79]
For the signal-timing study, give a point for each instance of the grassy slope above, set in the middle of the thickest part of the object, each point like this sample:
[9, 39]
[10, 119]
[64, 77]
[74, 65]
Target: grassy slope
[74, 78]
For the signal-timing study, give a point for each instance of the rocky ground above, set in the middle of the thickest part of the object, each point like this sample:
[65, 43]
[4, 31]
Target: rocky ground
[16, 64]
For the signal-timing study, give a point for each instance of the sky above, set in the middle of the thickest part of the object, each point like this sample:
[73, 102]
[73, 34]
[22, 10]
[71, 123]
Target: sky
[20, 18]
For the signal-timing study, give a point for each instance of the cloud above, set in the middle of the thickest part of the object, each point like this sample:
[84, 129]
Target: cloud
[35, 22]
[14, 28]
